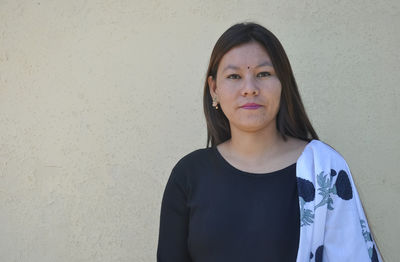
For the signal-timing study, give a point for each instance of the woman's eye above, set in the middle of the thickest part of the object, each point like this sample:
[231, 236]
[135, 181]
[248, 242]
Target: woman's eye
[233, 76]
[263, 74]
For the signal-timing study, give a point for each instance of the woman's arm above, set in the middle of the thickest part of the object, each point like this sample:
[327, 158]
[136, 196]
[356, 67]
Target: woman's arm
[174, 220]
[347, 234]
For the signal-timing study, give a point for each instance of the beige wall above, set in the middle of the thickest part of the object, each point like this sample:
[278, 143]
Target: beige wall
[99, 99]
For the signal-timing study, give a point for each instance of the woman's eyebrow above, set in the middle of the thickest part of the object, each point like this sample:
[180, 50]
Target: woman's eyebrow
[230, 67]
[266, 63]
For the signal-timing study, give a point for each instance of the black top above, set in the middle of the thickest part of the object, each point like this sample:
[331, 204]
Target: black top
[214, 212]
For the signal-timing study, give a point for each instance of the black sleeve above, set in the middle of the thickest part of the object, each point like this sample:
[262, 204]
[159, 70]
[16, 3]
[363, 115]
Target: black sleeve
[174, 219]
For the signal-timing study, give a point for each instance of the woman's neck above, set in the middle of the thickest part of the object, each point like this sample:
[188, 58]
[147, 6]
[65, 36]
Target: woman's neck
[254, 146]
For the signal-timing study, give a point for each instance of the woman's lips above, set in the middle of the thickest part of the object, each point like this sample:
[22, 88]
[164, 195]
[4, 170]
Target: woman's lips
[250, 106]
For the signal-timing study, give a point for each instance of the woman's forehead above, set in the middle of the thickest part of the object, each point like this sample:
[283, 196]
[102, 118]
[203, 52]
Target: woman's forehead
[250, 54]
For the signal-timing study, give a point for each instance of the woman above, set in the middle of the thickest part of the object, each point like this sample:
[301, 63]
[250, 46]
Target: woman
[267, 189]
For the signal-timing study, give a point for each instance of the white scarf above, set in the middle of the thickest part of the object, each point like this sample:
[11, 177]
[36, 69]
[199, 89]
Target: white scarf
[333, 227]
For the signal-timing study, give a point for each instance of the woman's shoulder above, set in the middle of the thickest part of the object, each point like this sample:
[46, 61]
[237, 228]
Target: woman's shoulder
[192, 159]
[322, 150]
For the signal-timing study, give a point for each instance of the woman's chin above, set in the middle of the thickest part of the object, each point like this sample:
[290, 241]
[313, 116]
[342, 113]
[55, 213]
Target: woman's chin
[251, 126]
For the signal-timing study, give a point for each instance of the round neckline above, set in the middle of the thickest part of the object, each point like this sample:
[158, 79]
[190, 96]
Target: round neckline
[242, 172]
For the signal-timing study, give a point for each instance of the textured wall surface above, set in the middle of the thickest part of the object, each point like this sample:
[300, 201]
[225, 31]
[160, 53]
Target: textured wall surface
[99, 99]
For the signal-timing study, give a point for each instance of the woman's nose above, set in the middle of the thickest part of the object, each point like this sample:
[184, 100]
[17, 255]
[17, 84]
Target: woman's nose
[249, 86]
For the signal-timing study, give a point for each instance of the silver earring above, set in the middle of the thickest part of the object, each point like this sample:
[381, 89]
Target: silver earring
[215, 103]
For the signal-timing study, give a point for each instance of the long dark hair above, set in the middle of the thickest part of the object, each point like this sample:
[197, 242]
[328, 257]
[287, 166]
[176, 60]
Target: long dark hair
[291, 120]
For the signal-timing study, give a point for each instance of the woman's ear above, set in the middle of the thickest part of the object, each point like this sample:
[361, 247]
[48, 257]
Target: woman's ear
[212, 85]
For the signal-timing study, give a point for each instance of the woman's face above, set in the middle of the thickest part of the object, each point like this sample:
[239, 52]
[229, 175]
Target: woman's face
[245, 75]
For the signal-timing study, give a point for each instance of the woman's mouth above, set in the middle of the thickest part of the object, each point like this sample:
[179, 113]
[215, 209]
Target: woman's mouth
[250, 106]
